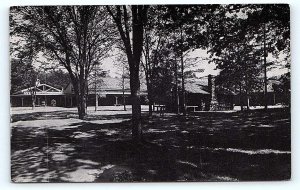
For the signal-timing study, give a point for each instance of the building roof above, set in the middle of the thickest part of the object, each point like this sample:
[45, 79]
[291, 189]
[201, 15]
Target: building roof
[109, 85]
[41, 89]
[195, 87]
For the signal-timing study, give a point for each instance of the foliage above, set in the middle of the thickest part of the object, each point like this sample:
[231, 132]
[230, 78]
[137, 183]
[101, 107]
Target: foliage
[130, 22]
[56, 78]
[76, 37]
[236, 42]
[22, 75]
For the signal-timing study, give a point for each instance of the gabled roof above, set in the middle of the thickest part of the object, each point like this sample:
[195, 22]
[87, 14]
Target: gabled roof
[41, 89]
[194, 87]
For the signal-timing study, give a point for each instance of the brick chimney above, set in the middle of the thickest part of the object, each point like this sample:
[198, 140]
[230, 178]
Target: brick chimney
[213, 105]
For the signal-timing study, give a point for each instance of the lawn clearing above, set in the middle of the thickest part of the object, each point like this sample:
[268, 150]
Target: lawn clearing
[55, 146]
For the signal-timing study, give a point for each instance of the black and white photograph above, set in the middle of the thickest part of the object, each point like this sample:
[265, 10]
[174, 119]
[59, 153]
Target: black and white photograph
[150, 93]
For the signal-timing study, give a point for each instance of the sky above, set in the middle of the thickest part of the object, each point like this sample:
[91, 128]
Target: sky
[203, 63]
[109, 64]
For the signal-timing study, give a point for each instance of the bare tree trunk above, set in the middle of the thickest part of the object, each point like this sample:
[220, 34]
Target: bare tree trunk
[247, 93]
[80, 91]
[136, 108]
[96, 91]
[241, 99]
[81, 105]
[182, 74]
[176, 86]
[33, 101]
[133, 51]
[265, 70]
[33, 97]
[248, 103]
[150, 98]
[96, 102]
[123, 86]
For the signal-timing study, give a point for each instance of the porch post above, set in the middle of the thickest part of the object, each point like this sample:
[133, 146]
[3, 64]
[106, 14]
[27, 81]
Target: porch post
[96, 103]
[116, 100]
[22, 101]
[65, 101]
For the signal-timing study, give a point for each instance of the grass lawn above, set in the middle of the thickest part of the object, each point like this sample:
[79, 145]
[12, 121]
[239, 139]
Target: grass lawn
[55, 146]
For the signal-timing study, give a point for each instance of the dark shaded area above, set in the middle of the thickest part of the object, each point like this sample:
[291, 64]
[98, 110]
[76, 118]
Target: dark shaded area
[66, 114]
[206, 146]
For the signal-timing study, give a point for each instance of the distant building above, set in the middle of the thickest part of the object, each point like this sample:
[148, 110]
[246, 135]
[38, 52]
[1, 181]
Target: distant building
[109, 91]
[257, 98]
[201, 95]
[44, 94]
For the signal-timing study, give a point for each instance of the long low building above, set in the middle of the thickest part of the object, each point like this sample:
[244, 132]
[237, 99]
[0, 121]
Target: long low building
[200, 95]
[109, 91]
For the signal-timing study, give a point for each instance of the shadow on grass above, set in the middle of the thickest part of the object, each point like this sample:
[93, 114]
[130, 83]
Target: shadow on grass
[66, 114]
[201, 147]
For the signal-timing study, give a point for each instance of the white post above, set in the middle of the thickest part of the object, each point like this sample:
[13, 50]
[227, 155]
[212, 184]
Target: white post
[116, 100]
[96, 103]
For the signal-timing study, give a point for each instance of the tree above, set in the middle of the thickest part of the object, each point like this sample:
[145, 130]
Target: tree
[54, 77]
[130, 20]
[76, 37]
[23, 76]
[267, 29]
[187, 26]
[271, 23]
[123, 69]
[238, 40]
[96, 79]
[154, 41]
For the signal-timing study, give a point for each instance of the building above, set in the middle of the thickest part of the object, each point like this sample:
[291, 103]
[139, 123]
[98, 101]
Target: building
[44, 96]
[202, 95]
[257, 98]
[109, 91]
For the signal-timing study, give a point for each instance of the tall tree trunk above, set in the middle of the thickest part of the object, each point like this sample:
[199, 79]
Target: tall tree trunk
[123, 88]
[182, 74]
[33, 98]
[241, 99]
[33, 101]
[136, 108]
[80, 91]
[96, 91]
[150, 98]
[81, 106]
[133, 51]
[149, 88]
[247, 93]
[96, 102]
[176, 90]
[248, 101]
[265, 70]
